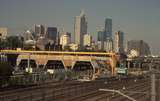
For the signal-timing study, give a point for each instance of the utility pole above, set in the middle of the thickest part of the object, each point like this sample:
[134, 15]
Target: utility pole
[153, 87]
[153, 83]
[29, 68]
[28, 61]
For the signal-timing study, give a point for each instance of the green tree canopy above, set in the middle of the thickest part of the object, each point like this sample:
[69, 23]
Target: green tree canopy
[5, 72]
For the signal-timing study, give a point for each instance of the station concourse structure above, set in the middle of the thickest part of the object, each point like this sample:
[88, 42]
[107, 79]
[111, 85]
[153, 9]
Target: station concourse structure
[67, 57]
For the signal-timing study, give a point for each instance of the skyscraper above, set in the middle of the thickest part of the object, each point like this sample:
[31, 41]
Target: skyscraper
[80, 28]
[119, 42]
[108, 29]
[108, 45]
[52, 34]
[100, 40]
[39, 30]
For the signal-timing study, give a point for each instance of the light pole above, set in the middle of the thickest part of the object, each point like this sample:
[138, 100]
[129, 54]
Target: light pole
[153, 85]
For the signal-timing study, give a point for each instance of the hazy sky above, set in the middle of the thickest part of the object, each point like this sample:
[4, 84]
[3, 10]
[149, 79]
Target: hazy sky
[139, 19]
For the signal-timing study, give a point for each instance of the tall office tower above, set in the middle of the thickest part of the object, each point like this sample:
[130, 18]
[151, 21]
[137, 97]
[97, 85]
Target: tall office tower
[80, 28]
[39, 30]
[52, 34]
[108, 45]
[3, 32]
[100, 40]
[119, 42]
[87, 40]
[108, 29]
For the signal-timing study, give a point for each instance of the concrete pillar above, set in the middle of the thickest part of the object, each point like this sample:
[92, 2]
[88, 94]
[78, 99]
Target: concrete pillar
[128, 64]
[28, 61]
[139, 65]
[134, 65]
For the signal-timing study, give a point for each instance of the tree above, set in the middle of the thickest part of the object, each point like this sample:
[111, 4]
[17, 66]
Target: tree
[3, 44]
[14, 42]
[5, 72]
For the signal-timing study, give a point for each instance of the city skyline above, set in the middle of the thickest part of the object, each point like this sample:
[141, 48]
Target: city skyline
[138, 19]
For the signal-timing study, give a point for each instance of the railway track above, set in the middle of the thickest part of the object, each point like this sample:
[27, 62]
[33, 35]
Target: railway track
[100, 96]
[22, 92]
[38, 86]
[59, 89]
[134, 91]
[66, 91]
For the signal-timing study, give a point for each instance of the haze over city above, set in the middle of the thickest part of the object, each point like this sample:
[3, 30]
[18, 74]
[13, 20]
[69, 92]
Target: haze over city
[79, 50]
[138, 19]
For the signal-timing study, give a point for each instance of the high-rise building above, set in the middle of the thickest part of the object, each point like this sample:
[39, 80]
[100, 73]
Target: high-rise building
[64, 33]
[140, 46]
[3, 32]
[100, 36]
[65, 39]
[100, 40]
[29, 38]
[41, 42]
[52, 34]
[28, 35]
[80, 28]
[108, 29]
[108, 45]
[87, 40]
[119, 42]
[39, 30]
[99, 46]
